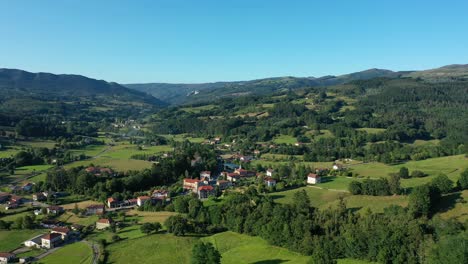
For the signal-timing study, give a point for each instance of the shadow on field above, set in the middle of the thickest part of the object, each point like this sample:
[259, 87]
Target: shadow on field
[277, 196]
[448, 202]
[271, 261]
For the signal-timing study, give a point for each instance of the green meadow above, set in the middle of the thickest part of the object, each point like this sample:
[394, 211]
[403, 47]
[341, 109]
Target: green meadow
[78, 252]
[238, 248]
[10, 240]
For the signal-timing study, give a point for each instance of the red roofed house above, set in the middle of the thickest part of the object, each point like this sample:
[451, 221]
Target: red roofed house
[51, 240]
[64, 231]
[269, 182]
[6, 257]
[244, 173]
[191, 184]
[313, 178]
[103, 223]
[111, 202]
[233, 177]
[96, 209]
[205, 191]
[142, 199]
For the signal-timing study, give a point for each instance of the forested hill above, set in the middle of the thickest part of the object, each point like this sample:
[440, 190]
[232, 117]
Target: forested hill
[44, 104]
[19, 83]
[191, 93]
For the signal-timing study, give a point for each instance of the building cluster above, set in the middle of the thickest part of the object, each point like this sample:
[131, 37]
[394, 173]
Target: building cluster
[57, 236]
[156, 196]
[206, 185]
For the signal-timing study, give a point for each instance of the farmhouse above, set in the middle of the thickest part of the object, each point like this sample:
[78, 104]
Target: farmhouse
[205, 191]
[51, 240]
[103, 223]
[142, 199]
[191, 184]
[6, 257]
[39, 197]
[269, 182]
[95, 209]
[34, 242]
[244, 173]
[313, 178]
[50, 223]
[233, 177]
[112, 203]
[55, 210]
[98, 171]
[160, 195]
[15, 199]
[63, 231]
[223, 184]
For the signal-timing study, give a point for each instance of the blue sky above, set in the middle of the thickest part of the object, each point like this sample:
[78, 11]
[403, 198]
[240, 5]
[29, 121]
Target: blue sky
[220, 40]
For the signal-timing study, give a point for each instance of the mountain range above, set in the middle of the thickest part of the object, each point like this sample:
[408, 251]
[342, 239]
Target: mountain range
[193, 93]
[19, 84]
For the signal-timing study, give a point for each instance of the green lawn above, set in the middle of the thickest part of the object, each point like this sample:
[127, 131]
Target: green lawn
[158, 248]
[10, 240]
[238, 248]
[76, 253]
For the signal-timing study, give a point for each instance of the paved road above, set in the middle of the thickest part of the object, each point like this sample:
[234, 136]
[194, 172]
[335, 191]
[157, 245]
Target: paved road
[95, 249]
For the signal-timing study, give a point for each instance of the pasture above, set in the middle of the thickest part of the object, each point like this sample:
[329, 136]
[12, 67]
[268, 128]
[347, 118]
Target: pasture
[78, 252]
[157, 248]
[10, 240]
[238, 248]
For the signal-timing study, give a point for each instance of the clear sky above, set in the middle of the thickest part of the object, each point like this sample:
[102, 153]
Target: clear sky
[132, 41]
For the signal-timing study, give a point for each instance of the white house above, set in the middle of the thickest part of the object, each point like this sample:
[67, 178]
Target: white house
[270, 172]
[51, 240]
[34, 242]
[269, 182]
[205, 174]
[142, 199]
[313, 178]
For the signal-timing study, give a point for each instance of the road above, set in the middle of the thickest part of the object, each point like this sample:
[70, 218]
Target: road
[95, 248]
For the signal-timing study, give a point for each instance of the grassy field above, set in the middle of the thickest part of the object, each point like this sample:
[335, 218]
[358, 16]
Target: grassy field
[158, 248]
[198, 109]
[284, 139]
[150, 217]
[76, 253]
[81, 205]
[237, 248]
[318, 197]
[451, 165]
[73, 219]
[322, 198]
[90, 150]
[10, 240]
[372, 130]
[6, 153]
[38, 143]
[455, 206]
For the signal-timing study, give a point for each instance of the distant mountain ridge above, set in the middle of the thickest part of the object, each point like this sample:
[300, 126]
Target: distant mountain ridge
[14, 82]
[189, 93]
